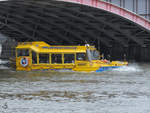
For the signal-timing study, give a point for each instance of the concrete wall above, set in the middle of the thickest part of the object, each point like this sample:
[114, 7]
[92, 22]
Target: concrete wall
[132, 53]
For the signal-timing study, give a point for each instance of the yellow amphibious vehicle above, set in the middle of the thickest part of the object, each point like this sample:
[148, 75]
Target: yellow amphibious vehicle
[41, 56]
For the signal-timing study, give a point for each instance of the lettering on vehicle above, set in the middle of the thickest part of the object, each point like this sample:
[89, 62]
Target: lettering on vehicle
[81, 64]
[59, 47]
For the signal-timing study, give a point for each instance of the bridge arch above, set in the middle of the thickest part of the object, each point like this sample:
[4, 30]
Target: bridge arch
[113, 29]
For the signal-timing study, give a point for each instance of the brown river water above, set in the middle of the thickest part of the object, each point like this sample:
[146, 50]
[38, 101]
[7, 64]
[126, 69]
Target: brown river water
[123, 90]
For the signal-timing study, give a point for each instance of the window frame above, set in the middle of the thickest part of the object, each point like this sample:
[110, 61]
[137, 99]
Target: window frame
[62, 59]
[21, 50]
[38, 55]
[81, 53]
[73, 59]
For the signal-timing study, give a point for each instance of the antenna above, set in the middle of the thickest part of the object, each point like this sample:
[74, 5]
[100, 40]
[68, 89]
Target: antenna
[124, 56]
[85, 42]
[99, 44]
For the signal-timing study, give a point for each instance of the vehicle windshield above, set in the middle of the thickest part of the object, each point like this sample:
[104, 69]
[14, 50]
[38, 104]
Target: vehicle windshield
[22, 52]
[94, 55]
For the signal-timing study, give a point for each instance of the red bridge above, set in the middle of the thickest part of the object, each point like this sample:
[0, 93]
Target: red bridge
[116, 10]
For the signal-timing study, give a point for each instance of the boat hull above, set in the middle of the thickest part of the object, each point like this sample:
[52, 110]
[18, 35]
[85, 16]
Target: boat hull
[101, 69]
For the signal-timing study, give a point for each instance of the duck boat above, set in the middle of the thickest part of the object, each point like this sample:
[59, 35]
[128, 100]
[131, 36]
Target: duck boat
[42, 56]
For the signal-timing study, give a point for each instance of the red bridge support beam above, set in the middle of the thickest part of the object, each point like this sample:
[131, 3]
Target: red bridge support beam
[116, 10]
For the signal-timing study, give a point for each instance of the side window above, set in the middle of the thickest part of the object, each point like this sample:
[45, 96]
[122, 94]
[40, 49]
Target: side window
[56, 58]
[22, 52]
[81, 56]
[68, 58]
[43, 58]
[34, 57]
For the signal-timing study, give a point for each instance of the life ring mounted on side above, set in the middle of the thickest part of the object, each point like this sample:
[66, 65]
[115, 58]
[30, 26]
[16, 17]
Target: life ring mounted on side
[24, 62]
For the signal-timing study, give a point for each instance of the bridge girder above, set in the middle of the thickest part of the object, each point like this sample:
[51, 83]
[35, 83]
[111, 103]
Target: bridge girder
[68, 23]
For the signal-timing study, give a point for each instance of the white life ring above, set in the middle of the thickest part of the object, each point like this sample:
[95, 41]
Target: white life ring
[24, 62]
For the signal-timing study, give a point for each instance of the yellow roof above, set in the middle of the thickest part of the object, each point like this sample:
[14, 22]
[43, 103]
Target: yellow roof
[42, 47]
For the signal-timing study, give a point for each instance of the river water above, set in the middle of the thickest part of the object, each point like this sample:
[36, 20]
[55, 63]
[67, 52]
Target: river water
[124, 90]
